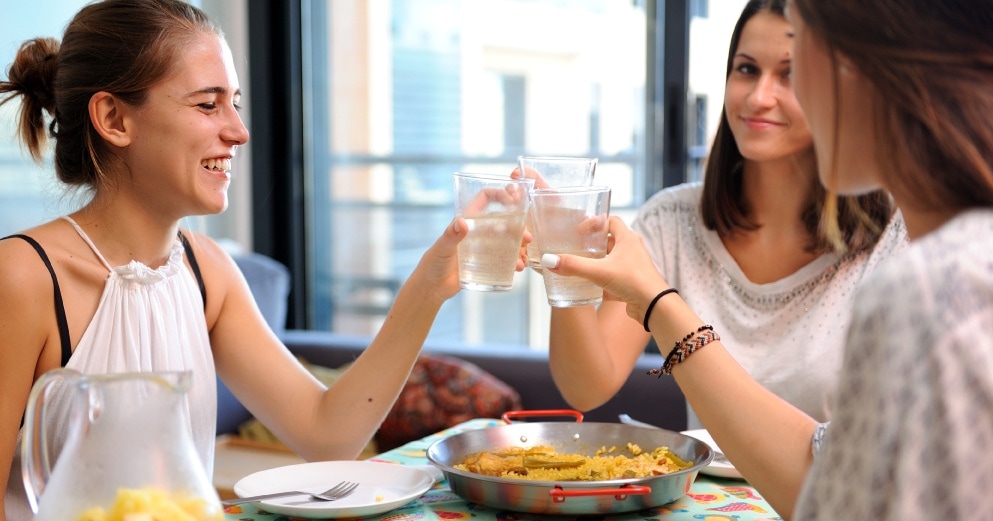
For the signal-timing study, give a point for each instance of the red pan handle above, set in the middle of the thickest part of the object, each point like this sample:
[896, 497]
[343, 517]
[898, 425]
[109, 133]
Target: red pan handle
[620, 493]
[509, 416]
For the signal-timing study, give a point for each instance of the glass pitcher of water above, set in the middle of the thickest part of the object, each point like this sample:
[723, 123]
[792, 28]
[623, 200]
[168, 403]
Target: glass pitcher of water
[127, 449]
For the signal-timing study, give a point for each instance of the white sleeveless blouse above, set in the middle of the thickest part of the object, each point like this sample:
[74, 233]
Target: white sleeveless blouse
[147, 320]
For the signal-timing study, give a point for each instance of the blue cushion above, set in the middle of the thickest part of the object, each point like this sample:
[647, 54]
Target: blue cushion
[269, 281]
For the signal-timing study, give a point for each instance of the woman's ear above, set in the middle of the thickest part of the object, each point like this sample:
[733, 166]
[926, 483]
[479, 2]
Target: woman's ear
[107, 116]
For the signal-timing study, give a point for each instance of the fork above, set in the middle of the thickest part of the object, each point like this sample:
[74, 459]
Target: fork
[336, 492]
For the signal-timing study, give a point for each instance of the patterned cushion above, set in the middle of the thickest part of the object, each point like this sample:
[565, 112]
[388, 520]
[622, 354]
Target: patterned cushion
[443, 391]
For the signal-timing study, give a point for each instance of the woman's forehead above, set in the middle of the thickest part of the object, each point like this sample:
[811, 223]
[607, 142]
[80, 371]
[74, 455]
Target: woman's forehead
[767, 32]
[204, 62]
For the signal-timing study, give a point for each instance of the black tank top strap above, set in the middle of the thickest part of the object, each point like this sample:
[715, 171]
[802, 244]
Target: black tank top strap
[60, 310]
[195, 266]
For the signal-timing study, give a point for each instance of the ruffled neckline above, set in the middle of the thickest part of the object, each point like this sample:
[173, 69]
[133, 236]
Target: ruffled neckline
[140, 272]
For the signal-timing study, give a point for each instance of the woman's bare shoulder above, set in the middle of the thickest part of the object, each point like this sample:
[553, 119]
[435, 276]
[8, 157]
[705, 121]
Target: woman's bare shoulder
[219, 272]
[209, 254]
[26, 280]
[21, 262]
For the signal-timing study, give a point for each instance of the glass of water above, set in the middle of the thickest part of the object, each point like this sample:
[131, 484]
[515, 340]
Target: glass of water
[494, 207]
[553, 172]
[571, 220]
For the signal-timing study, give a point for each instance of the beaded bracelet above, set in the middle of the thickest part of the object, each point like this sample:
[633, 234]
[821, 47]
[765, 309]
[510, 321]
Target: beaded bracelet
[688, 345]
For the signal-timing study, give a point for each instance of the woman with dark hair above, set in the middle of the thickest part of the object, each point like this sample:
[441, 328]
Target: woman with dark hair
[141, 98]
[897, 95]
[745, 247]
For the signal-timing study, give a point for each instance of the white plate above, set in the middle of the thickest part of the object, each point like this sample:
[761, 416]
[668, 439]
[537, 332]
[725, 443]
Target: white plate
[723, 468]
[382, 487]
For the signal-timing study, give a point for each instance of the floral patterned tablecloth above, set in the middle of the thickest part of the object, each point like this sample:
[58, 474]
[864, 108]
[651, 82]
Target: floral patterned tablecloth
[709, 498]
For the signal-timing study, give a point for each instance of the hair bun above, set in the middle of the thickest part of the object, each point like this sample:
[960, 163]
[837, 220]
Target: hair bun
[33, 71]
[32, 76]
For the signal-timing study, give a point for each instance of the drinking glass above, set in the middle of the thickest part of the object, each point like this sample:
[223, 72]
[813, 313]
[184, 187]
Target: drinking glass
[553, 172]
[494, 207]
[571, 220]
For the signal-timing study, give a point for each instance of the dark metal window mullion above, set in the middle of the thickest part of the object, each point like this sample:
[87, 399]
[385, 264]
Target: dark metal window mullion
[667, 83]
[275, 83]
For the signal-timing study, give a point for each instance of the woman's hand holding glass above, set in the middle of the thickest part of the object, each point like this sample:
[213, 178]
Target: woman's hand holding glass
[627, 273]
[439, 264]
[551, 172]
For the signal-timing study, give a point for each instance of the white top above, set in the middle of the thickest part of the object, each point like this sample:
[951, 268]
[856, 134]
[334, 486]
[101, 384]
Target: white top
[912, 433]
[787, 334]
[147, 320]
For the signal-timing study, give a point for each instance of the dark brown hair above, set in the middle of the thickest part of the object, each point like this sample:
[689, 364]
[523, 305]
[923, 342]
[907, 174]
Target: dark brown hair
[723, 207]
[931, 68]
[118, 46]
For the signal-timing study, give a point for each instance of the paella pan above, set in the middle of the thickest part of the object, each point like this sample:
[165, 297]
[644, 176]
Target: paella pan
[568, 497]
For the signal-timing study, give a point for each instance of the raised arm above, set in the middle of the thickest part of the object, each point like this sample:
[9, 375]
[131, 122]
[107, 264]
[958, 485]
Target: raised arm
[766, 438]
[592, 351]
[335, 423]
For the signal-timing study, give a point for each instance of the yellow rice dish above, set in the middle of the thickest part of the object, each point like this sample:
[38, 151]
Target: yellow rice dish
[153, 505]
[543, 463]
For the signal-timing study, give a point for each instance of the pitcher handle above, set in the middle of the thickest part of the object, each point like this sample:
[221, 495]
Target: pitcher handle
[36, 465]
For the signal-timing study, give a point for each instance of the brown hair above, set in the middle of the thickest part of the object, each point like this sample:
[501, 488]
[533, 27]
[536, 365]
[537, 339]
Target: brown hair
[931, 68]
[723, 207]
[118, 46]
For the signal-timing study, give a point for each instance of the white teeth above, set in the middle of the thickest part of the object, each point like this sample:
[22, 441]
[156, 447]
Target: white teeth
[224, 165]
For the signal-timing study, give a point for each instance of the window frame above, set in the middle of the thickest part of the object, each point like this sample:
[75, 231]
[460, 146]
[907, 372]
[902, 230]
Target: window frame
[279, 177]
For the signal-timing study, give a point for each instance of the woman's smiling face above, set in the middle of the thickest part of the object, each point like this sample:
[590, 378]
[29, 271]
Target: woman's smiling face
[762, 111]
[185, 133]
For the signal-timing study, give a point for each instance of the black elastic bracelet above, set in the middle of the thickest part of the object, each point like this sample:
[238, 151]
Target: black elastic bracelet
[648, 312]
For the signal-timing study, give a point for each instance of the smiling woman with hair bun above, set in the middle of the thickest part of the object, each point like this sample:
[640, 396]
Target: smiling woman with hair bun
[141, 99]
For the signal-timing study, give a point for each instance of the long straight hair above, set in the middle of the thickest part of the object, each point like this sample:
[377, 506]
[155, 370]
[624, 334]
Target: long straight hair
[930, 65]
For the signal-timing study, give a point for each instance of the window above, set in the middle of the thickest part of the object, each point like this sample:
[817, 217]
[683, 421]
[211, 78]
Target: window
[406, 92]
[29, 194]
[710, 34]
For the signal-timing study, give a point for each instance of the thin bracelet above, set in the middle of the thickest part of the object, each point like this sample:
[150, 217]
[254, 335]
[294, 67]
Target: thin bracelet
[651, 306]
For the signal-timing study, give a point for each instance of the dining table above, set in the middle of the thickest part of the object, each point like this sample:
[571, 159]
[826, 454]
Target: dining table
[710, 498]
